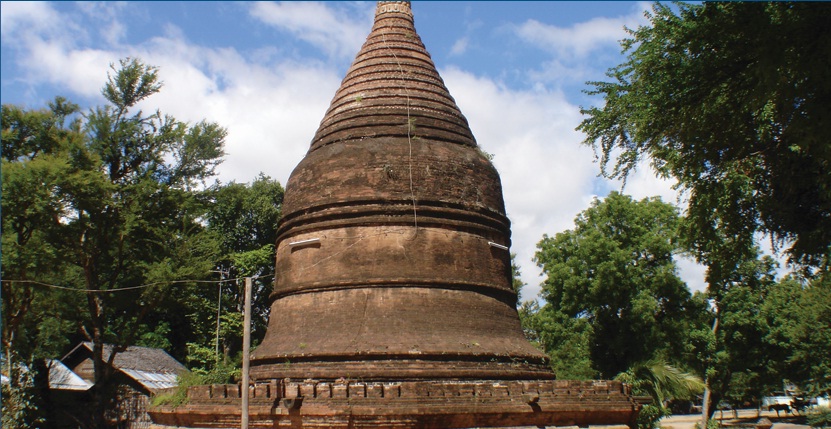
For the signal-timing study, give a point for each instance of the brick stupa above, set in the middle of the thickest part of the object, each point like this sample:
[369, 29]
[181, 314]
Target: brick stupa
[393, 305]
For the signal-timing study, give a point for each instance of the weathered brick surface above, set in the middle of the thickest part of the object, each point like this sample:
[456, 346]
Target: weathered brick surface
[399, 207]
[392, 305]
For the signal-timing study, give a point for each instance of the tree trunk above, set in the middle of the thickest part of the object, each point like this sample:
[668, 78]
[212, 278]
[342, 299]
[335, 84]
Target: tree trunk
[99, 407]
[705, 403]
[41, 385]
[100, 379]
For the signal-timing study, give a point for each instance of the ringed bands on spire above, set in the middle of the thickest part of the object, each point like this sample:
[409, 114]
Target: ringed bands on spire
[393, 89]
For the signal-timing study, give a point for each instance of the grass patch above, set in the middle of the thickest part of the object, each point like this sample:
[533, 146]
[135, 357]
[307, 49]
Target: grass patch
[179, 396]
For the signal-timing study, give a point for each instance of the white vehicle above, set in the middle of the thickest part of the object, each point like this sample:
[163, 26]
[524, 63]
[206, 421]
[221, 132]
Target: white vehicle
[776, 400]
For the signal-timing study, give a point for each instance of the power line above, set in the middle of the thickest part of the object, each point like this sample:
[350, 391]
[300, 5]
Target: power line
[122, 289]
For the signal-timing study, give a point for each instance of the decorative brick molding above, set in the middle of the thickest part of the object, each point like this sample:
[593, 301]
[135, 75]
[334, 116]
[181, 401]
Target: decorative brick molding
[393, 6]
[412, 404]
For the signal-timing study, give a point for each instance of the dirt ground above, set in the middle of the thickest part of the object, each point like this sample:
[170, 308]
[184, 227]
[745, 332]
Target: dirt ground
[742, 418]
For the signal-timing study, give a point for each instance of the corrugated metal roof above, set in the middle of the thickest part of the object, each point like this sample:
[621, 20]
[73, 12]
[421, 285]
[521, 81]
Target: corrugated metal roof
[152, 380]
[138, 358]
[62, 378]
[153, 369]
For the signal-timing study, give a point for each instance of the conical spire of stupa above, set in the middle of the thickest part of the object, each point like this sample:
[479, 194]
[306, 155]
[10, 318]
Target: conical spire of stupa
[393, 88]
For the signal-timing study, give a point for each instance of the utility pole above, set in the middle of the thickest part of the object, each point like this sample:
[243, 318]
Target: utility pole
[246, 348]
[219, 312]
[222, 274]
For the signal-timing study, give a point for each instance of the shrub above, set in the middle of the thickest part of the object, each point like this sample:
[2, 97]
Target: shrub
[819, 417]
[650, 415]
[711, 424]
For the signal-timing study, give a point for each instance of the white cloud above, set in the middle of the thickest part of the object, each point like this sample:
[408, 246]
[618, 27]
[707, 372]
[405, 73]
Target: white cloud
[82, 71]
[106, 15]
[643, 182]
[271, 113]
[460, 46]
[547, 175]
[19, 17]
[44, 42]
[582, 38]
[271, 110]
[325, 27]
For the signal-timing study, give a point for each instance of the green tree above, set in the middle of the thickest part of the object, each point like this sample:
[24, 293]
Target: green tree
[31, 169]
[615, 274]
[730, 100]
[797, 316]
[32, 326]
[516, 279]
[727, 345]
[563, 339]
[566, 340]
[243, 218]
[119, 208]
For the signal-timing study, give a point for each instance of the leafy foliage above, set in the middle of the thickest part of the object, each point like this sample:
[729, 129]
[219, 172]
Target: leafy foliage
[616, 271]
[797, 317]
[179, 396]
[711, 424]
[726, 342]
[729, 99]
[516, 278]
[564, 339]
[661, 381]
[819, 418]
[115, 198]
[101, 203]
[22, 407]
[243, 218]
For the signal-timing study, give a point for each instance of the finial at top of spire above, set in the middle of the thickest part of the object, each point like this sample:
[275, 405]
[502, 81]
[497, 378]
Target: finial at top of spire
[393, 6]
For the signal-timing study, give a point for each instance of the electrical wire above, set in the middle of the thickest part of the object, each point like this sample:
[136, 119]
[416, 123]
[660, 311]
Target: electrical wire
[122, 289]
[409, 132]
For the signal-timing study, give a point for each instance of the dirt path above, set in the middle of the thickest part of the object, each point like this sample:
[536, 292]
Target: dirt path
[745, 418]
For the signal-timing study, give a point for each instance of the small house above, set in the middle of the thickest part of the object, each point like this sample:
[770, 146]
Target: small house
[140, 372]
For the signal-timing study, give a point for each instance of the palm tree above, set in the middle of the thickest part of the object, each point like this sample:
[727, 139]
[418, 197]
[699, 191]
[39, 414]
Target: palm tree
[661, 382]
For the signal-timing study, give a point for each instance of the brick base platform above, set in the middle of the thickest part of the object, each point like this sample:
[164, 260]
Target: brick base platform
[410, 405]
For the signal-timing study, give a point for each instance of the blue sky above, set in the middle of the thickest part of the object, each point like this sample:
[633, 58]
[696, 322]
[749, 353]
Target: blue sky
[267, 71]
